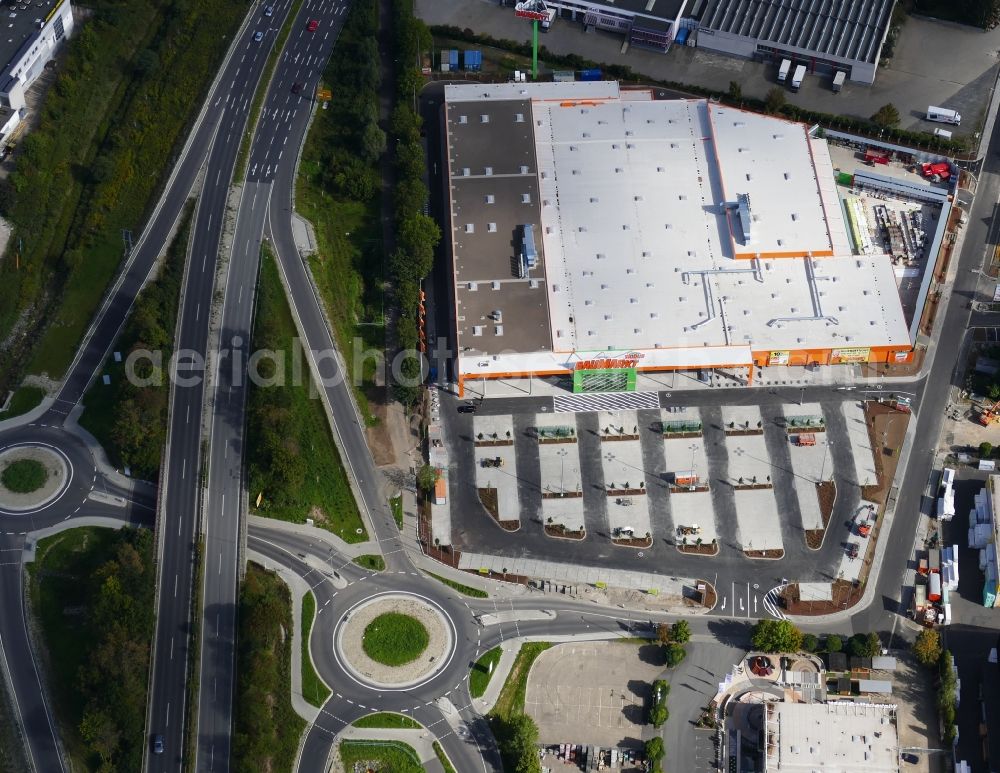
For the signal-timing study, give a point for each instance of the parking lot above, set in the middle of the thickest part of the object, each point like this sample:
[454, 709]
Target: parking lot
[592, 693]
[687, 476]
[935, 63]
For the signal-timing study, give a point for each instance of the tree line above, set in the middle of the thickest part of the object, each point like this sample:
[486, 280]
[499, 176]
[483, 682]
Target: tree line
[417, 235]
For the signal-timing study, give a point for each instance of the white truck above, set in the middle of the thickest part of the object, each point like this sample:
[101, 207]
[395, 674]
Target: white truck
[797, 76]
[838, 81]
[786, 65]
[547, 21]
[943, 115]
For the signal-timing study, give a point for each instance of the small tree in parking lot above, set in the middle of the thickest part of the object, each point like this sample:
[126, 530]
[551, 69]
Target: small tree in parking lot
[675, 654]
[680, 632]
[886, 116]
[655, 753]
[426, 478]
[927, 647]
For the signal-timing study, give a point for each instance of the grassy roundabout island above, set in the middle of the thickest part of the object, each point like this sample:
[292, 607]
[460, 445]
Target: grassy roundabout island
[394, 639]
[24, 476]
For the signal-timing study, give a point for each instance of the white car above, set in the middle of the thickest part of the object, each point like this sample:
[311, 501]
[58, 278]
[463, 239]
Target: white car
[268, 10]
[258, 36]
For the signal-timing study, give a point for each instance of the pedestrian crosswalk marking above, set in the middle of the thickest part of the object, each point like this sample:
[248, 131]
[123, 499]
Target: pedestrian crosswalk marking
[605, 401]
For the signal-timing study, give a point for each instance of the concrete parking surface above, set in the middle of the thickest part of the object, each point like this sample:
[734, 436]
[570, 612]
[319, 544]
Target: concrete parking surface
[593, 693]
[935, 63]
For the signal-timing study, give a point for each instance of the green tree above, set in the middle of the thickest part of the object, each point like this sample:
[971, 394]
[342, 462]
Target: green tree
[775, 100]
[735, 91]
[834, 643]
[680, 632]
[810, 643]
[426, 478]
[674, 654]
[655, 753]
[776, 636]
[886, 116]
[927, 647]
[517, 738]
[985, 449]
[863, 645]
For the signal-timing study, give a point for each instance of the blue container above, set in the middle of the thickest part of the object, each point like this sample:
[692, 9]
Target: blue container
[453, 58]
[590, 75]
[682, 36]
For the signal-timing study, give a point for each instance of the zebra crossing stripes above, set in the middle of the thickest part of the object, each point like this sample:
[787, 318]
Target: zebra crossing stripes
[771, 602]
[605, 401]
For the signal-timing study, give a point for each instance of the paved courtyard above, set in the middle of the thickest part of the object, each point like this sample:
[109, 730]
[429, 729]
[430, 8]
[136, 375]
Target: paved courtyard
[592, 693]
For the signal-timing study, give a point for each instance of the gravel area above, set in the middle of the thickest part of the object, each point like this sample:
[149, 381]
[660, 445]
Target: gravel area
[58, 477]
[350, 649]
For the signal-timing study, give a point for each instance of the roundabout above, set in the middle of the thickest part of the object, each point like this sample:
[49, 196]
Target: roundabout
[394, 641]
[33, 476]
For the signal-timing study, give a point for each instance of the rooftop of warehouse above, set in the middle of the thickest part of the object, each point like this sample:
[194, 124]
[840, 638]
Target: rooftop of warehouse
[832, 737]
[640, 239]
[19, 21]
[849, 29]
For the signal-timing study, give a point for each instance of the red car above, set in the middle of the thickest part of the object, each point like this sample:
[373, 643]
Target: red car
[312, 25]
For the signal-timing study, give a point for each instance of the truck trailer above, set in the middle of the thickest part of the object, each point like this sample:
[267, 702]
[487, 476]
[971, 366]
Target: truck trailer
[797, 76]
[838, 81]
[786, 65]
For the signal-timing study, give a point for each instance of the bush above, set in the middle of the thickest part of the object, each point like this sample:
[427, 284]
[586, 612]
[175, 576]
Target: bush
[655, 753]
[810, 643]
[886, 116]
[680, 632]
[863, 645]
[675, 654]
[834, 643]
[517, 739]
[986, 449]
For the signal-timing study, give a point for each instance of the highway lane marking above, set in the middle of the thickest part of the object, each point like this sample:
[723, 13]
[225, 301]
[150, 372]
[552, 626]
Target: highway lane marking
[175, 585]
[197, 313]
[240, 299]
[188, 419]
[220, 572]
[184, 468]
[172, 646]
[223, 513]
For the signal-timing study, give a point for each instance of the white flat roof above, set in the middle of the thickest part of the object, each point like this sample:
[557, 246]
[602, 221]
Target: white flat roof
[835, 737]
[643, 241]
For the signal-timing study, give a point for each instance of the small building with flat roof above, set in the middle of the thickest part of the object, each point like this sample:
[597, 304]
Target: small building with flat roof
[664, 235]
[30, 34]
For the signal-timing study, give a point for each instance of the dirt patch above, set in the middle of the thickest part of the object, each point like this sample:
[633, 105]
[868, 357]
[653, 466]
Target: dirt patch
[704, 549]
[561, 532]
[751, 486]
[805, 430]
[318, 515]
[843, 594]
[488, 497]
[740, 432]
[886, 430]
[486, 443]
[772, 553]
[561, 494]
[634, 542]
[681, 434]
[826, 492]
[554, 440]
[378, 437]
[618, 437]
[675, 489]
[626, 492]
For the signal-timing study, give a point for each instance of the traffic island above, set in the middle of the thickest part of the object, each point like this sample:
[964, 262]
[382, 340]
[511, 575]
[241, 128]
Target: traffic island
[32, 477]
[560, 531]
[699, 547]
[826, 493]
[488, 499]
[394, 641]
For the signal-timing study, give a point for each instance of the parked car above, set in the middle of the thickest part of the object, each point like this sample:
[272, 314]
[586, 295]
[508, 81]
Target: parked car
[467, 408]
[852, 550]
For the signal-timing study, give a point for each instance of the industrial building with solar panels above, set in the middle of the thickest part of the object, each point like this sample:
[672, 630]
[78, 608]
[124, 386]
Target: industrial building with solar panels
[599, 237]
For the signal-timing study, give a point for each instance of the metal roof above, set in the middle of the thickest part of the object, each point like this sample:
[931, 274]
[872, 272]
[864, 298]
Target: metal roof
[847, 29]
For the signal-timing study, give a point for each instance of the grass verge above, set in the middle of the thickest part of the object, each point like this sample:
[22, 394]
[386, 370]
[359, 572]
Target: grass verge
[511, 700]
[258, 97]
[443, 758]
[266, 728]
[395, 639]
[388, 721]
[338, 190]
[466, 590]
[391, 756]
[130, 422]
[314, 689]
[12, 750]
[128, 88]
[371, 562]
[291, 457]
[482, 672]
[25, 399]
[396, 505]
[24, 476]
[91, 592]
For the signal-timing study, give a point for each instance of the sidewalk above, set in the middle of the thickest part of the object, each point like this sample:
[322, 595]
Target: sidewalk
[422, 742]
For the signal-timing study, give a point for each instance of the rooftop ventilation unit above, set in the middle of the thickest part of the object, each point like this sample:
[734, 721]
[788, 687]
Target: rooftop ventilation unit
[743, 203]
[528, 257]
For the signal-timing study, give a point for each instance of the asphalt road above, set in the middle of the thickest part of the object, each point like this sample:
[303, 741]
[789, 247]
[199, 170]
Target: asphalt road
[284, 120]
[181, 479]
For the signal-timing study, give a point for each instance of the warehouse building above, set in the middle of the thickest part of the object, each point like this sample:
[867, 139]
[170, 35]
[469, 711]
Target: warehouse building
[31, 34]
[827, 37]
[598, 234]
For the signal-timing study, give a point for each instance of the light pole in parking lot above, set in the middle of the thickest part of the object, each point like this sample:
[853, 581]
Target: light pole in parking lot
[822, 469]
[562, 452]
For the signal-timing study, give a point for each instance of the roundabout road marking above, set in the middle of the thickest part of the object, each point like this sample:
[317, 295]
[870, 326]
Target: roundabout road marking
[351, 673]
[55, 497]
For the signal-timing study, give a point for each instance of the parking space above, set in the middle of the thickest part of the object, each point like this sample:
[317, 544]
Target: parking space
[625, 481]
[856, 543]
[738, 418]
[566, 512]
[759, 522]
[495, 429]
[749, 462]
[496, 469]
[861, 447]
[686, 463]
[592, 693]
[693, 510]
